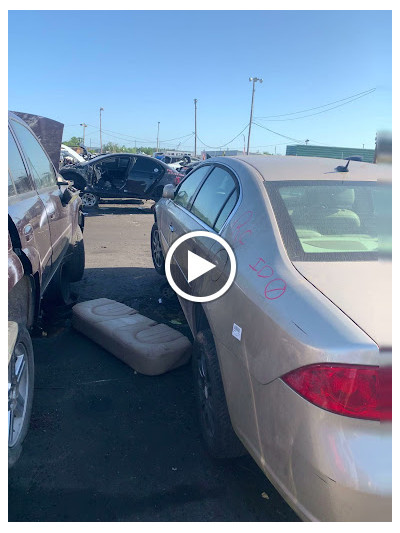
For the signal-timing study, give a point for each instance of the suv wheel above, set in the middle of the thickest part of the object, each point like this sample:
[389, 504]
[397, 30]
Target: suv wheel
[89, 199]
[75, 266]
[216, 428]
[156, 251]
[59, 293]
[20, 393]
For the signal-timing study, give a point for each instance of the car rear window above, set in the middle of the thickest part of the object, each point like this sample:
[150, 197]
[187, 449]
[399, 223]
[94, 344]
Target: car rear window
[331, 221]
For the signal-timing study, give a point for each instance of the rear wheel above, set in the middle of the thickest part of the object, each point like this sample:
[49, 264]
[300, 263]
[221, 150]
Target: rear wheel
[156, 251]
[89, 200]
[20, 392]
[59, 292]
[216, 428]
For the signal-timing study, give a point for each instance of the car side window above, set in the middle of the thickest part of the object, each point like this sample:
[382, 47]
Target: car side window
[214, 195]
[148, 165]
[41, 167]
[17, 168]
[226, 210]
[11, 187]
[189, 186]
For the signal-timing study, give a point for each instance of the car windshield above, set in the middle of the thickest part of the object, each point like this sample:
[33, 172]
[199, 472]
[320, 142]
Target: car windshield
[333, 220]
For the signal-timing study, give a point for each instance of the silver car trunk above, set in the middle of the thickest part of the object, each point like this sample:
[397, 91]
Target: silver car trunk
[349, 285]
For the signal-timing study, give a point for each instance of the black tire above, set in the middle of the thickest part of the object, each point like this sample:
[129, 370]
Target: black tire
[21, 374]
[75, 266]
[218, 435]
[89, 200]
[58, 292]
[156, 251]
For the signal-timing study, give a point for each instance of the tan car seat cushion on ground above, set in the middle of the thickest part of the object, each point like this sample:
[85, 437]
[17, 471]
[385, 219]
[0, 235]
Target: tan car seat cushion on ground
[143, 344]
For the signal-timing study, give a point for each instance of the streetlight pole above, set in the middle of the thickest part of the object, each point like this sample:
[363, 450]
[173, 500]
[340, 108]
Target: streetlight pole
[158, 132]
[84, 126]
[251, 110]
[101, 141]
[195, 127]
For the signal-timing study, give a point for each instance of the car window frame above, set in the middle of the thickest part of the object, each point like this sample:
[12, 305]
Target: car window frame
[189, 204]
[33, 189]
[196, 193]
[193, 197]
[287, 231]
[25, 159]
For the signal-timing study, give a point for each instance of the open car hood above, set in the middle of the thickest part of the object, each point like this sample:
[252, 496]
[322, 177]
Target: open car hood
[48, 131]
[362, 290]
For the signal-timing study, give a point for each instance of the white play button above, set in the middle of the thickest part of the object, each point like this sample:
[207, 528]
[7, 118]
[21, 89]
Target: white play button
[197, 266]
[183, 266]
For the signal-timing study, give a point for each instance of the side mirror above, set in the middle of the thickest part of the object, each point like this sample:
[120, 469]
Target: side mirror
[169, 191]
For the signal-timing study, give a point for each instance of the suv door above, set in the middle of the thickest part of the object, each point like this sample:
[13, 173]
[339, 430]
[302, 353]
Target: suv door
[45, 178]
[28, 213]
[143, 174]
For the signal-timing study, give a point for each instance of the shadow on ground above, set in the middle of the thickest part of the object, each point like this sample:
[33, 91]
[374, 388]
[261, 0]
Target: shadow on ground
[109, 444]
[120, 207]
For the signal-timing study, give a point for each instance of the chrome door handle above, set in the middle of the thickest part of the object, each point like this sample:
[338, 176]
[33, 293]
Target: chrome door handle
[28, 232]
[171, 227]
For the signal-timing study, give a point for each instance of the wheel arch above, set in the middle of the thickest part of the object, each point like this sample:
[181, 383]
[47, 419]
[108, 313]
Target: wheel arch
[200, 320]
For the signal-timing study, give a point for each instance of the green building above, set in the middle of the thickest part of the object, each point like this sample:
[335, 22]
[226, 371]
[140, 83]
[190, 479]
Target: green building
[334, 152]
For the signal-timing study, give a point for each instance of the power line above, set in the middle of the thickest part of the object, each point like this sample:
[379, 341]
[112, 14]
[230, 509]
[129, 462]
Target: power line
[276, 133]
[225, 144]
[128, 137]
[319, 112]
[176, 138]
[354, 96]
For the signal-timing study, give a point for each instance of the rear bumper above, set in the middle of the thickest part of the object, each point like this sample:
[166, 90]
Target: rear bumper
[328, 467]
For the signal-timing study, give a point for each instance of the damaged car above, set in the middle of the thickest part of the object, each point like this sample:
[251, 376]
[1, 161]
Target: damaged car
[120, 175]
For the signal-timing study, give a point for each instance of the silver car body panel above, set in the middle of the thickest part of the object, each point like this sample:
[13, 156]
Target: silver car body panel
[327, 466]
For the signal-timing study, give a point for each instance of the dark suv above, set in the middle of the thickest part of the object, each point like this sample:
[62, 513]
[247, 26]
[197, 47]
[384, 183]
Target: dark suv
[120, 176]
[45, 254]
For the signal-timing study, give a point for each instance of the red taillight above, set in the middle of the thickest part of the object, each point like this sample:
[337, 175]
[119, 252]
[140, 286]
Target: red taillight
[358, 391]
[177, 176]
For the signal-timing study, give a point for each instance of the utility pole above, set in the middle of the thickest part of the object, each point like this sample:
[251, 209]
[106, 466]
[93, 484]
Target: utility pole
[195, 127]
[158, 132]
[84, 126]
[251, 110]
[101, 141]
[244, 144]
[135, 148]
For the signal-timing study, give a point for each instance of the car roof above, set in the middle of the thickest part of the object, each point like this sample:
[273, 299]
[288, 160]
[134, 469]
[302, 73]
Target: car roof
[287, 168]
[103, 156]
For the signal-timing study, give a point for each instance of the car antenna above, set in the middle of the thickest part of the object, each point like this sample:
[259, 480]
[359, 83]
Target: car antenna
[342, 168]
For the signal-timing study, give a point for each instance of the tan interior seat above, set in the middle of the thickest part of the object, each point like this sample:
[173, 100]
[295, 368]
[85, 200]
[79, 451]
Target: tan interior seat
[148, 347]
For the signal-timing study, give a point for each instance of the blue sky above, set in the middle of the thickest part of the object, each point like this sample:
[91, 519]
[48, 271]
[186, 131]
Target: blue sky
[144, 67]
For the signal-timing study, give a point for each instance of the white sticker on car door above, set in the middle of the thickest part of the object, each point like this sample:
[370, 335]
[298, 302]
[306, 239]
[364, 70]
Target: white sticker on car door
[237, 332]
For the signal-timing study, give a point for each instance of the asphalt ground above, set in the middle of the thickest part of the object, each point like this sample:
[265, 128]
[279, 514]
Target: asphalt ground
[108, 444]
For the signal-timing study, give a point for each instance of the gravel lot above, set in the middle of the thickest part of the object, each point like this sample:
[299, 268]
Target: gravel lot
[108, 444]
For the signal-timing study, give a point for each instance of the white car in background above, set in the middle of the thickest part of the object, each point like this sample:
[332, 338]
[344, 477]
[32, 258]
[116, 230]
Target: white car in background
[69, 156]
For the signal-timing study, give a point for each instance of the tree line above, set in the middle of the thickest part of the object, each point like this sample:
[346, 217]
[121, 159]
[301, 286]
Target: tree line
[112, 147]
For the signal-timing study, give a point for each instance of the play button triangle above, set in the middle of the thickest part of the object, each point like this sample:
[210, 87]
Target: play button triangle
[197, 266]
